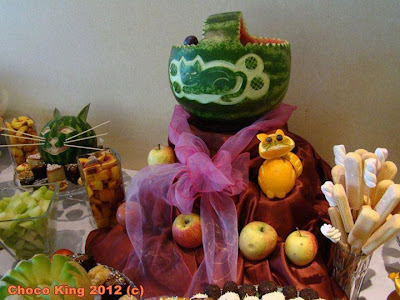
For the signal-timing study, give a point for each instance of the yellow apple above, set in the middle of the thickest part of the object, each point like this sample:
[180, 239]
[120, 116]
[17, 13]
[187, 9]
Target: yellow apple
[161, 154]
[257, 240]
[301, 247]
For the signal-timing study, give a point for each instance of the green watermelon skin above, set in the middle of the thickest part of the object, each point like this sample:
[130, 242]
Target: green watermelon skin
[221, 45]
[68, 156]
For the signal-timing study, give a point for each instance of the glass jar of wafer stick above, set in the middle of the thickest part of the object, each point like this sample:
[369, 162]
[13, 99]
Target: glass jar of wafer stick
[349, 270]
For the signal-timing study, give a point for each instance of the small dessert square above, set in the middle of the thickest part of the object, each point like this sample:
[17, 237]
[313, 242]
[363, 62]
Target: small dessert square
[55, 173]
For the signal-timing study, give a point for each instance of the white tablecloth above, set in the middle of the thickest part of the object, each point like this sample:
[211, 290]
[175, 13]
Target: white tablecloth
[75, 222]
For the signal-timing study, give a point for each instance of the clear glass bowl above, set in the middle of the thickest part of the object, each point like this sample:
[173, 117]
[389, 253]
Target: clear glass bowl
[31, 231]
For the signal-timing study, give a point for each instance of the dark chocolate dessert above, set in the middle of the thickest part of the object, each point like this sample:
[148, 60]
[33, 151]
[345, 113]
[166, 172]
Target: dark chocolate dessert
[289, 291]
[266, 287]
[309, 294]
[247, 290]
[72, 172]
[213, 291]
[230, 286]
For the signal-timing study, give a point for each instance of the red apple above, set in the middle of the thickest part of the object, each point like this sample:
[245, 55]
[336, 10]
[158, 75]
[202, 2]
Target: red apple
[161, 155]
[301, 247]
[132, 213]
[186, 230]
[63, 252]
[257, 240]
[121, 212]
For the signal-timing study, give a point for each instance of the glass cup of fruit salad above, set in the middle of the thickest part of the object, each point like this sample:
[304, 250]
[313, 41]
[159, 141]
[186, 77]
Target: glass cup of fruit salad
[28, 218]
[101, 174]
[21, 131]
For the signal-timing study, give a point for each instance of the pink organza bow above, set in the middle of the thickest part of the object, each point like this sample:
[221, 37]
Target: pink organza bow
[155, 190]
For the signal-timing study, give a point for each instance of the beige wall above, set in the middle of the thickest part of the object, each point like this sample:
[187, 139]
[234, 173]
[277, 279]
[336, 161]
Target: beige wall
[114, 54]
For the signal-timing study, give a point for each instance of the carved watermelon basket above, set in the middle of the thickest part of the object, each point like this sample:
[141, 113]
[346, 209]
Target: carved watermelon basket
[230, 76]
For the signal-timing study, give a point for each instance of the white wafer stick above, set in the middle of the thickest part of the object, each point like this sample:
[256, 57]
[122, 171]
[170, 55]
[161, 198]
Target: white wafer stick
[338, 175]
[337, 222]
[376, 194]
[339, 151]
[327, 190]
[388, 202]
[353, 173]
[388, 171]
[386, 232]
[343, 205]
[363, 228]
[361, 152]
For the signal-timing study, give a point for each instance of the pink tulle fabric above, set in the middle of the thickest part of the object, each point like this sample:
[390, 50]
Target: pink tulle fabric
[156, 190]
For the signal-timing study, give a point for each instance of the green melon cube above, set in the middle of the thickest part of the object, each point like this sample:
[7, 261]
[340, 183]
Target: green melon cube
[35, 212]
[27, 224]
[38, 194]
[20, 208]
[3, 205]
[48, 195]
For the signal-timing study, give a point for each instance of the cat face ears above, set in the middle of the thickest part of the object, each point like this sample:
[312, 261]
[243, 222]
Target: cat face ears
[84, 112]
[82, 115]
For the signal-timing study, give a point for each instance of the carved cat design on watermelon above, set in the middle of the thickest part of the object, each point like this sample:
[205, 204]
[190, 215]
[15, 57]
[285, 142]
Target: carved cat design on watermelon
[60, 146]
[216, 80]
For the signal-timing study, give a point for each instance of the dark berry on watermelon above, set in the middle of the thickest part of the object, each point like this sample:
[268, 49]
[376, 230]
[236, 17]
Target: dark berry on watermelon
[191, 40]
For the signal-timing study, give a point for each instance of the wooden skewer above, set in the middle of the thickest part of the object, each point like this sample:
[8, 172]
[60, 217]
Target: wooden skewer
[21, 145]
[89, 137]
[70, 138]
[39, 137]
[22, 137]
[76, 146]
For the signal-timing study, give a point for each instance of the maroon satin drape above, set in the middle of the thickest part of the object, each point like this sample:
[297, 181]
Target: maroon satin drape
[304, 207]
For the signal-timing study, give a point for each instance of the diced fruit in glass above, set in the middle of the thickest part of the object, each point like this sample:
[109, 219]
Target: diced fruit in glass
[103, 175]
[96, 185]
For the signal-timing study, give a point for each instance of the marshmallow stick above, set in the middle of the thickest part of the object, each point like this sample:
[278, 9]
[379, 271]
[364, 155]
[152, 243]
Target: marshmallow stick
[363, 228]
[388, 202]
[369, 177]
[377, 193]
[339, 151]
[366, 156]
[327, 190]
[353, 173]
[343, 205]
[382, 154]
[338, 176]
[330, 232]
[387, 231]
[337, 222]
